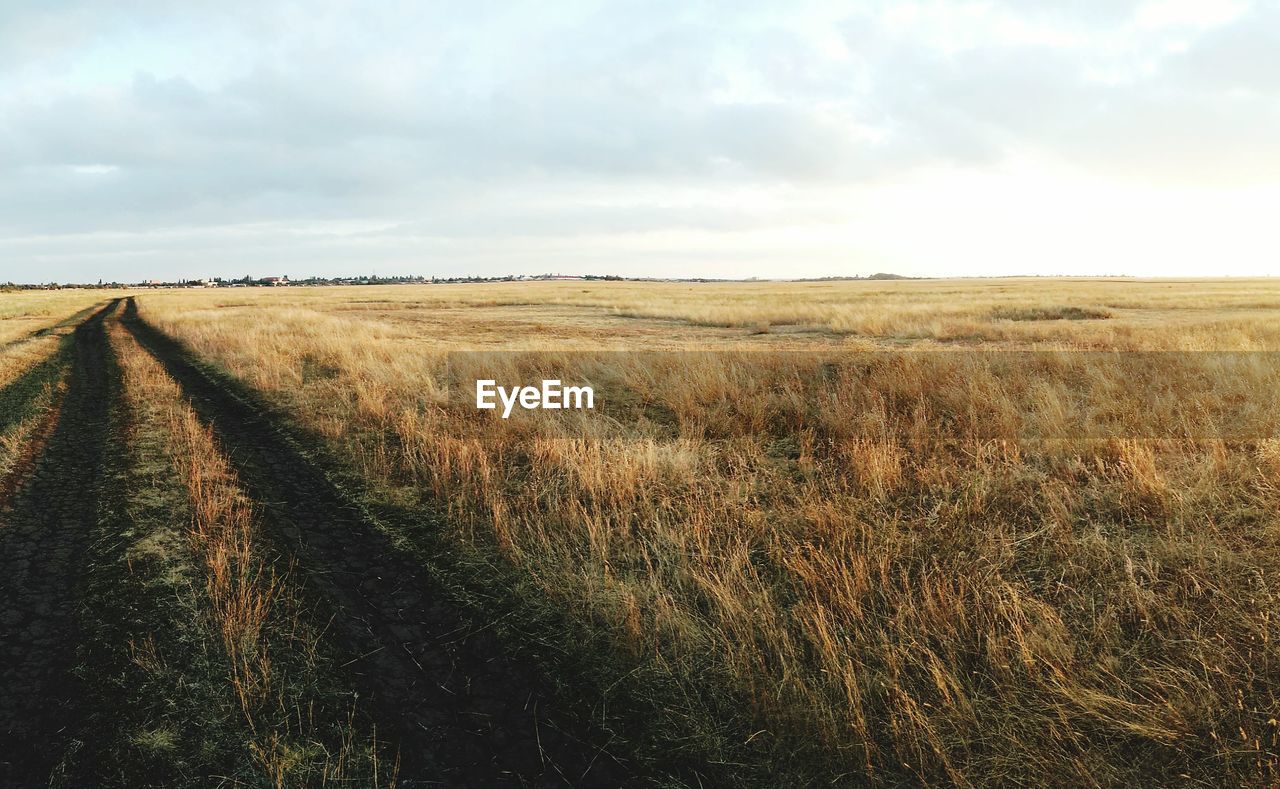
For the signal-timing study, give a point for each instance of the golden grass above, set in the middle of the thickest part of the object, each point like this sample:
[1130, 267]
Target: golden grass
[18, 429]
[23, 312]
[32, 325]
[244, 597]
[1142, 314]
[890, 598]
[32, 321]
[22, 356]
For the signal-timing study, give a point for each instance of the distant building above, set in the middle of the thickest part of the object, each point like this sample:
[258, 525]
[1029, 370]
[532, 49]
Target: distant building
[274, 281]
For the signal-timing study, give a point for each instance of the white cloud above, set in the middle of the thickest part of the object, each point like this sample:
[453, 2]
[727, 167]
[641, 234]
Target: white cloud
[797, 139]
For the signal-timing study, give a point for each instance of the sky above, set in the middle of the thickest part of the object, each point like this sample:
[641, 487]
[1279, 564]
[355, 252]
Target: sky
[733, 138]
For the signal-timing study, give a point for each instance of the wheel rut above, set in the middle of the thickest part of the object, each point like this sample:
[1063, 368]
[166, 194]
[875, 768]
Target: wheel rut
[462, 711]
[43, 542]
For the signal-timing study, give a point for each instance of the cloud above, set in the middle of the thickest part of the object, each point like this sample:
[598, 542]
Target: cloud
[592, 120]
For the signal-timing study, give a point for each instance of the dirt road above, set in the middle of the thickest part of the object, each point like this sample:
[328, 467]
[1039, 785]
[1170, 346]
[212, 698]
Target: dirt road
[43, 540]
[462, 712]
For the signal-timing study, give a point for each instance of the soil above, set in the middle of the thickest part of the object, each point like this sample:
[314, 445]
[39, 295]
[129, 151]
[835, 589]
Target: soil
[43, 540]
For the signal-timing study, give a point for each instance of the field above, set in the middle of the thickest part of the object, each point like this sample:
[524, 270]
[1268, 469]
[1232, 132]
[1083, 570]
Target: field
[972, 532]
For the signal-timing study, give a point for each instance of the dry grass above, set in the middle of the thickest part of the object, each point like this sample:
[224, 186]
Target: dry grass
[25, 408]
[1143, 314]
[892, 596]
[23, 355]
[253, 611]
[31, 323]
[24, 312]
[32, 327]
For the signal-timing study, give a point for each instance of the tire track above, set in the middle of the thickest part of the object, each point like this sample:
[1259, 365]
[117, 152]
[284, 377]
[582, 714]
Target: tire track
[43, 542]
[462, 712]
[18, 395]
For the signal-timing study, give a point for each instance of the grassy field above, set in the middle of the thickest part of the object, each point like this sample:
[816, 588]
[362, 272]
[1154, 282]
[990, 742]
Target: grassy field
[201, 660]
[1127, 314]
[955, 571]
[230, 673]
[24, 313]
[848, 532]
[33, 330]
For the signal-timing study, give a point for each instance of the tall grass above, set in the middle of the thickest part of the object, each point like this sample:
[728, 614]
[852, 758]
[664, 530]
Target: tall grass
[24, 312]
[26, 397]
[277, 668]
[33, 325]
[893, 600]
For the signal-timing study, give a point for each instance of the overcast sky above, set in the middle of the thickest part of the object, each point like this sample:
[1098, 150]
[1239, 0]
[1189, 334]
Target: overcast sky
[737, 138]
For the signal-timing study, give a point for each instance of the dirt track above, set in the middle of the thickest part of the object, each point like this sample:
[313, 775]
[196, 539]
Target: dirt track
[43, 539]
[462, 712]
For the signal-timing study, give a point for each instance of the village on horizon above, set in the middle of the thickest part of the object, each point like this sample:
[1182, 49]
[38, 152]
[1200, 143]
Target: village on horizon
[248, 281]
